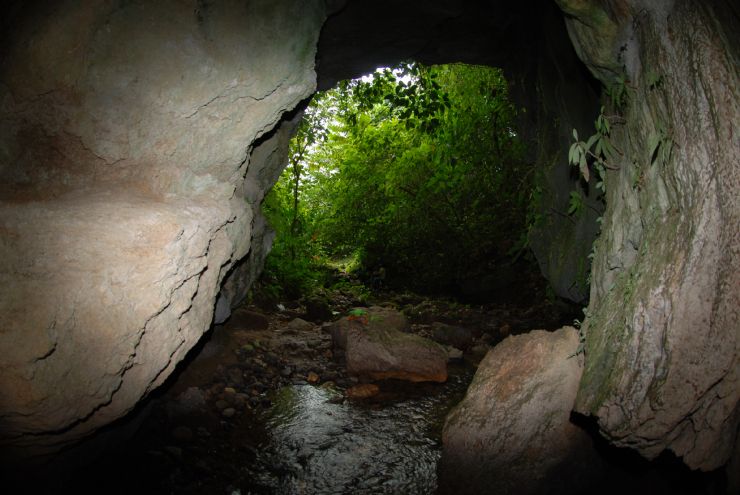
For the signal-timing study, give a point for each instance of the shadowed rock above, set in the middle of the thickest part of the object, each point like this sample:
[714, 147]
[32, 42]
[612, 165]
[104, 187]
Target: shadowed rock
[376, 347]
[512, 434]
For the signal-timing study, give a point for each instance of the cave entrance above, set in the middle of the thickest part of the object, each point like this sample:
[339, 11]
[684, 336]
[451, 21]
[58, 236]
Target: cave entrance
[408, 178]
[401, 185]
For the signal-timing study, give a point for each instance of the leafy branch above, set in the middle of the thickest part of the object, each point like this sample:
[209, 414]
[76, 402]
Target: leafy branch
[597, 150]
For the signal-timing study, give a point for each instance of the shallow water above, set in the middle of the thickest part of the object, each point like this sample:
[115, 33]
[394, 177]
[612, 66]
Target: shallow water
[315, 442]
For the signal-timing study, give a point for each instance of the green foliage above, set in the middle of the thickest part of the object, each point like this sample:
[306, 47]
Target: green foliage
[654, 80]
[418, 170]
[620, 92]
[575, 205]
[578, 324]
[660, 146]
[594, 153]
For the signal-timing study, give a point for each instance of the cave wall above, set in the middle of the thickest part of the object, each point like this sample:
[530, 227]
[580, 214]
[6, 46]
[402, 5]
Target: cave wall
[127, 131]
[663, 332]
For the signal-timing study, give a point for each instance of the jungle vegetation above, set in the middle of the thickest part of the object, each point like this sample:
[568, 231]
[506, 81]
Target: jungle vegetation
[415, 173]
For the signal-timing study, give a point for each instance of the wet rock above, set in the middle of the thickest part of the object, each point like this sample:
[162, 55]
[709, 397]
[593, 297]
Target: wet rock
[298, 325]
[515, 421]
[221, 404]
[312, 377]
[286, 372]
[478, 351]
[193, 399]
[362, 391]
[375, 317]
[241, 401]
[235, 376]
[454, 354]
[318, 308]
[458, 337]
[228, 412]
[376, 348]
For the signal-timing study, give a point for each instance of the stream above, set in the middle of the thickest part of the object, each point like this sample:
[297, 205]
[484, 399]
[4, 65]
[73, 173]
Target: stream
[316, 442]
[240, 416]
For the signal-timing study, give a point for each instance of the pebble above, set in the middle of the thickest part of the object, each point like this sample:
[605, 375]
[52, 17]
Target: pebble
[454, 354]
[221, 404]
[286, 372]
[182, 434]
[175, 452]
[312, 377]
[236, 376]
[364, 391]
[228, 412]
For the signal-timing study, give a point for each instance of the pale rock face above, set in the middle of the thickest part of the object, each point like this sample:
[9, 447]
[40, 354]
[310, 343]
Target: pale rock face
[127, 132]
[663, 337]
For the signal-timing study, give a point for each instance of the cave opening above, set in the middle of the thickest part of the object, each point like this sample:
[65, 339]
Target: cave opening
[410, 178]
[138, 141]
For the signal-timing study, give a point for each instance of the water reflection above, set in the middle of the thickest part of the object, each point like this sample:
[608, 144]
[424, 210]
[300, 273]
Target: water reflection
[318, 443]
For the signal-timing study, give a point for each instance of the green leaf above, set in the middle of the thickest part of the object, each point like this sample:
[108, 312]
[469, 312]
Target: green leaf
[584, 168]
[591, 141]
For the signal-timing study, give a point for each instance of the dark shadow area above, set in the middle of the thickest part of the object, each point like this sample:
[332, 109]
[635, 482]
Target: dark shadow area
[625, 471]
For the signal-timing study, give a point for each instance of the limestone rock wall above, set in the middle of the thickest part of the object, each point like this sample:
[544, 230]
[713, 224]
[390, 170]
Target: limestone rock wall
[663, 335]
[126, 134]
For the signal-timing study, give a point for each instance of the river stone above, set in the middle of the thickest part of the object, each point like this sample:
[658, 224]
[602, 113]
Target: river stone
[375, 347]
[458, 337]
[299, 325]
[511, 434]
[190, 401]
[362, 391]
[375, 317]
[318, 308]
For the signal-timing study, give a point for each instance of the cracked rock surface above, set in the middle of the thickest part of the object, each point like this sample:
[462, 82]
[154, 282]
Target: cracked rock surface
[127, 132]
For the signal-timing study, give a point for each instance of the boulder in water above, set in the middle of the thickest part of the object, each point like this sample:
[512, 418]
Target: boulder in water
[376, 347]
[512, 433]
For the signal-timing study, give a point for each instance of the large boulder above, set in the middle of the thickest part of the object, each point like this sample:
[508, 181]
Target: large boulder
[375, 347]
[375, 317]
[512, 433]
[127, 132]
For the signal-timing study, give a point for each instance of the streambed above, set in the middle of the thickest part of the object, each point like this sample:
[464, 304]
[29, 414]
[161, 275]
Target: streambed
[317, 442]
